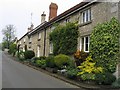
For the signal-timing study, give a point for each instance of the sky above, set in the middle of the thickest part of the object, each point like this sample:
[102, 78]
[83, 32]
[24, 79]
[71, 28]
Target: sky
[18, 13]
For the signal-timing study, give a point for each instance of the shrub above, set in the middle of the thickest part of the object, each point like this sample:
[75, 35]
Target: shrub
[105, 78]
[20, 55]
[64, 39]
[104, 44]
[50, 62]
[61, 60]
[12, 49]
[80, 57]
[41, 57]
[72, 73]
[29, 54]
[88, 76]
[41, 63]
[116, 84]
[88, 66]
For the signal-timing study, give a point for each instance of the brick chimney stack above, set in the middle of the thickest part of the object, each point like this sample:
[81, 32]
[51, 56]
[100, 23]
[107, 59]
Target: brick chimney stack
[43, 16]
[53, 10]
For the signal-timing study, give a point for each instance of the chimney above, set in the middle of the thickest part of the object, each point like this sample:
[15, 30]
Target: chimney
[43, 16]
[53, 10]
[30, 28]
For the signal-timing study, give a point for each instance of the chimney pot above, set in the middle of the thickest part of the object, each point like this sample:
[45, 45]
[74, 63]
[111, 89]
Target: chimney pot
[43, 16]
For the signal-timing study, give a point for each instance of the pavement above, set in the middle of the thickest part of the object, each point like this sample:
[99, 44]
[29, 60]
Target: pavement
[74, 84]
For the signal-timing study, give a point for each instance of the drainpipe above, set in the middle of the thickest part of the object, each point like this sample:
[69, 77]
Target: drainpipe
[44, 42]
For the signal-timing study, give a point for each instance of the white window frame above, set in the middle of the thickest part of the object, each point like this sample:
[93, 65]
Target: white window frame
[84, 49]
[51, 48]
[39, 35]
[20, 42]
[52, 28]
[86, 16]
[38, 51]
[24, 39]
[30, 39]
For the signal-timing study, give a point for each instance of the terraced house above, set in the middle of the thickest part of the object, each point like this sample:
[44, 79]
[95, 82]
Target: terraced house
[87, 14]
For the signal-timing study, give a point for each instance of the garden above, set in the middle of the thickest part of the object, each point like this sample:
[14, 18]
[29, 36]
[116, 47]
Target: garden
[96, 67]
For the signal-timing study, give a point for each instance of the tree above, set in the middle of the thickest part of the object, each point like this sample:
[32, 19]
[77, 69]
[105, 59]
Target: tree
[64, 39]
[8, 35]
[104, 44]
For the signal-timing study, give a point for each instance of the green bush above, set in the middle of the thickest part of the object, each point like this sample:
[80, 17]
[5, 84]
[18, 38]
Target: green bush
[50, 62]
[41, 57]
[104, 44]
[29, 54]
[12, 49]
[116, 84]
[88, 76]
[64, 39]
[105, 78]
[61, 60]
[20, 55]
[72, 73]
[41, 63]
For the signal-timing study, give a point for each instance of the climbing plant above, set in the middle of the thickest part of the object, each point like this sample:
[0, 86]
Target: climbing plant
[104, 44]
[64, 39]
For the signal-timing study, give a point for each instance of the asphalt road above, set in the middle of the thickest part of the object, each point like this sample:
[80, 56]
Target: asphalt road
[16, 75]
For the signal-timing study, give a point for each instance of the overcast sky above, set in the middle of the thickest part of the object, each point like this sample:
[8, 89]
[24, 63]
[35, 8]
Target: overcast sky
[18, 12]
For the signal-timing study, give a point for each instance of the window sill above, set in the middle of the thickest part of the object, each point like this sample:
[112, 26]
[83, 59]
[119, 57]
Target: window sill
[86, 23]
[39, 39]
[30, 42]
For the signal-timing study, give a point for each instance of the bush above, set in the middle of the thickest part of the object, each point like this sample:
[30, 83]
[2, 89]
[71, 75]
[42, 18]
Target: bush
[64, 39]
[80, 57]
[29, 54]
[88, 76]
[72, 73]
[41, 63]
[88, 66]
[20, 55]
[104, 44]
[12, 49]
[116, 84]
[61, 60]
[42, 58]
[50, 62]
[105, 78]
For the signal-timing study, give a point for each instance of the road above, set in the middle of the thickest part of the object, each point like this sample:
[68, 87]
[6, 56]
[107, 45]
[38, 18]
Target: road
[17, 75]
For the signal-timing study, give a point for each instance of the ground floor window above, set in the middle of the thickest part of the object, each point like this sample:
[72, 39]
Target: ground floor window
[51, 48]
[84, 43]
[38, 51]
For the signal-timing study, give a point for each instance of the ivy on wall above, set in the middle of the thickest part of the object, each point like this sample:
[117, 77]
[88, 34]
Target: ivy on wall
[104, 44]
[64, 39]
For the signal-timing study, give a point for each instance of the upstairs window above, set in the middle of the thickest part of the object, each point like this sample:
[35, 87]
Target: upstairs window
[39, 35]
[86, 16]
[30, 39]
[24, 40]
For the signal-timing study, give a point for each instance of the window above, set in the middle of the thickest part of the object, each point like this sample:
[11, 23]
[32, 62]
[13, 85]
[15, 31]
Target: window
[38, 51]
[51, 48]
[39, 35]
[84, 44]
[20, 42]
[24, 40]
[86, 16]
[67, 20]
[30, 39]
[52, 28]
